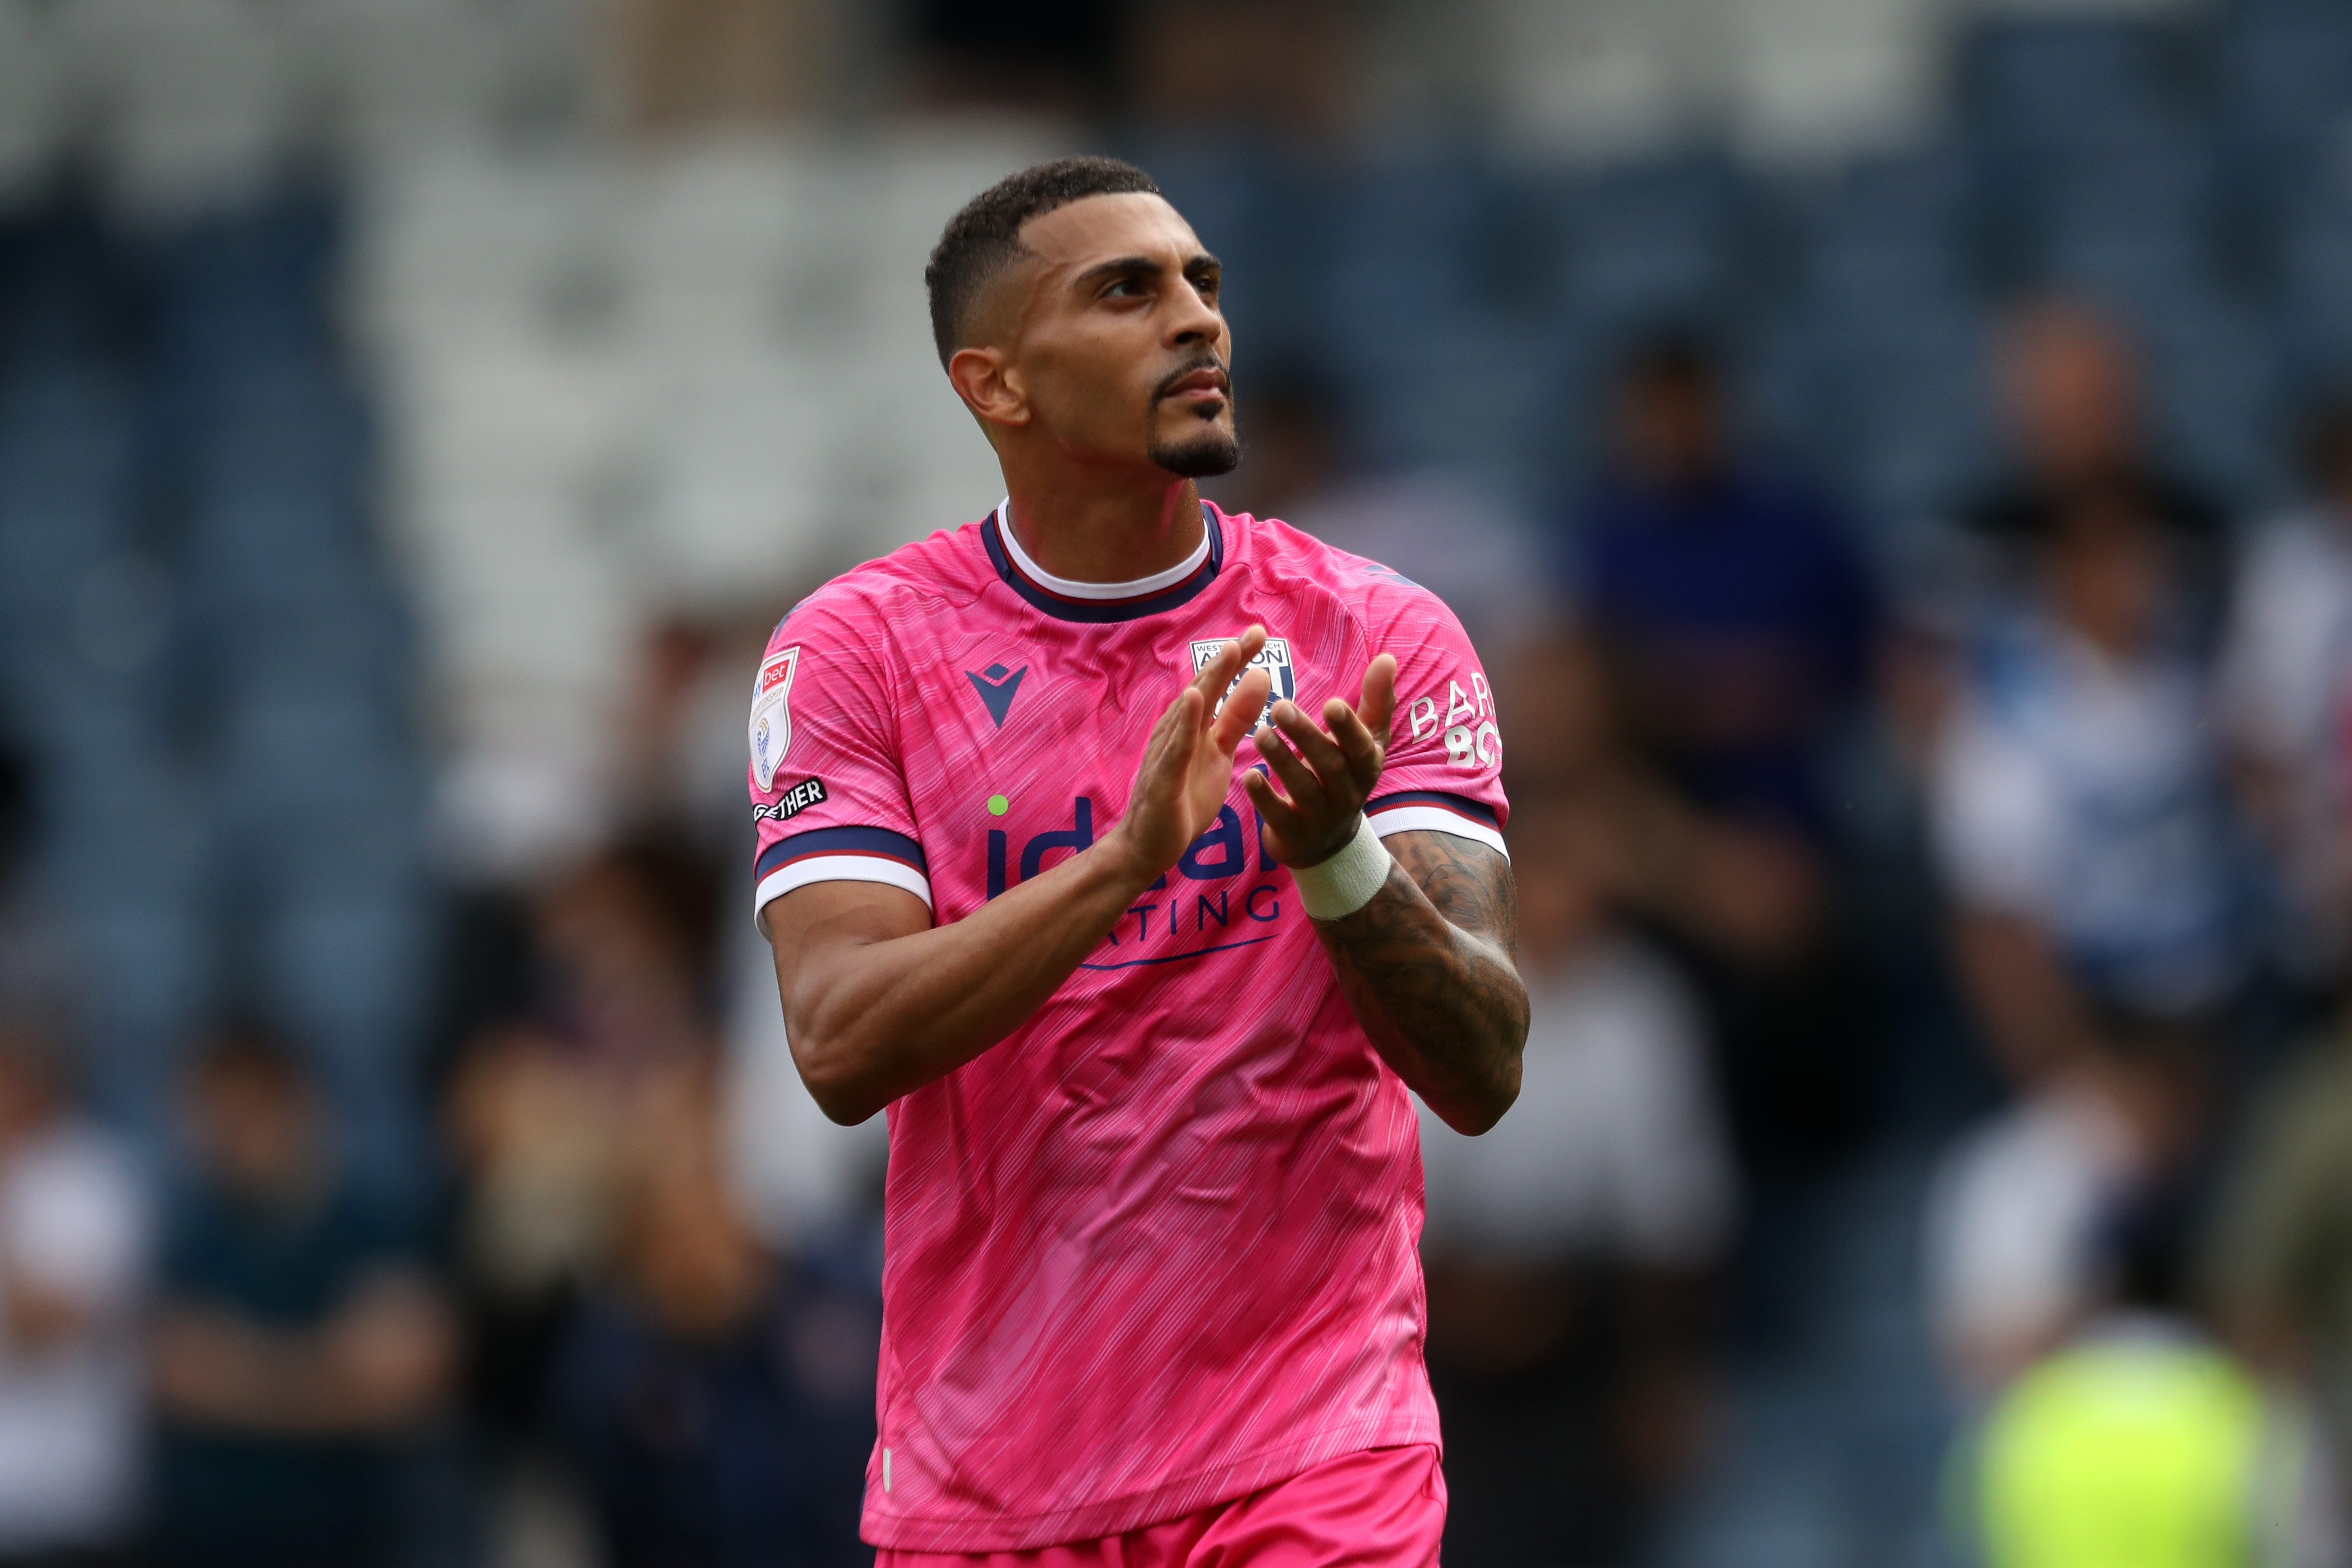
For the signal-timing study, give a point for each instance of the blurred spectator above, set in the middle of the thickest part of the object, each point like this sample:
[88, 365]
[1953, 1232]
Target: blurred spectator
[543, 1103]
[295, 1342]
[2069, 384]
[681, 742]
[1732, 611]
[561, 1094]
[2287, 676]
[2142, 1443]
[698, 63]
[1700, 878]
[2085, 836]
[1255, 65]
[2078, 797]
[74, 1240]
[1571, 1251]
[718, 1402]
[800, 1174]
[797, 1172]
[1441, 530]
[2281, 1262]
[1729, 623]
[2016, 1211]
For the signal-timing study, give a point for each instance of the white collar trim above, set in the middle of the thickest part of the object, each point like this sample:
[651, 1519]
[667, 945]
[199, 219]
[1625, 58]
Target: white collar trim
[1141, 588]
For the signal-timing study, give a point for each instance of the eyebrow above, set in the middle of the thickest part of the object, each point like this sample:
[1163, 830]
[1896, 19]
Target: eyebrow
[1143, 266]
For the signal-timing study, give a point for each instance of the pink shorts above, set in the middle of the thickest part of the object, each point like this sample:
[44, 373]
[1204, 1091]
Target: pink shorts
[1382, 1508]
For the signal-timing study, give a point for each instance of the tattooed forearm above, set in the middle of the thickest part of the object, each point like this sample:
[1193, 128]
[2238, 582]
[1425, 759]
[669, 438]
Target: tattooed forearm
[1428, 967]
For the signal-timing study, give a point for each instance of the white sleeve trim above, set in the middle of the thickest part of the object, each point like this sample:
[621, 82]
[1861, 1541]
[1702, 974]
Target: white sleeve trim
[1436, 819]
[836, 868]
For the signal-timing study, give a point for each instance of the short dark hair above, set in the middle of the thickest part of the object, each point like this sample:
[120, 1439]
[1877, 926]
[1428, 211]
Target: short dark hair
[984, 238]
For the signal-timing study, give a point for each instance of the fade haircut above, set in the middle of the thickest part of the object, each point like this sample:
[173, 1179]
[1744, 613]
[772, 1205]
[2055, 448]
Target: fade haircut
[985, 238]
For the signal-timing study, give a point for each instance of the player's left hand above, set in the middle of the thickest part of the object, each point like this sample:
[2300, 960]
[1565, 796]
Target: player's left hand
[1326, 779]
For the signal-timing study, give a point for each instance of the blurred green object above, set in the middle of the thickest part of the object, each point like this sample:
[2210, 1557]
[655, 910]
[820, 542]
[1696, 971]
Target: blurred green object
[2140, 1449]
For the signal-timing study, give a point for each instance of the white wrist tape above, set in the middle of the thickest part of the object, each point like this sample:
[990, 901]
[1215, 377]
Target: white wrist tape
[1346, 882]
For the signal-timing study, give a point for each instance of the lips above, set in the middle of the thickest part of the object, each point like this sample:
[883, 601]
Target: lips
[1206, 385]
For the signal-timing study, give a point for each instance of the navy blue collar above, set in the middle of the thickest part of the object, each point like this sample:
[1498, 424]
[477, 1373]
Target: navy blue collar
[1100, 610]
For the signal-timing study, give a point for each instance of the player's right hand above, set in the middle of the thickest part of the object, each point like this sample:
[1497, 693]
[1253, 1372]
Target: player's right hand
[1187, 771]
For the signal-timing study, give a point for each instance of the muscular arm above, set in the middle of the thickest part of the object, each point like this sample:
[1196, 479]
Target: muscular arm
[878, 1001]
[1428, 966]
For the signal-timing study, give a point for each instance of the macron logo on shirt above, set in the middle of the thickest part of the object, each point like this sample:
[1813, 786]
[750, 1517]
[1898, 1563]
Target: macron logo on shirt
[996, 685]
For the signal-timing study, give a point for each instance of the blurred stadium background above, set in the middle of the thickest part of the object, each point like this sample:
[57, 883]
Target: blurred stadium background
[413, 413]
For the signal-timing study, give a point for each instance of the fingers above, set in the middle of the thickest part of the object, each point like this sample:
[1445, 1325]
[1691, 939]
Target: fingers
[1362, 731]
[1298, 781]
[1169, 750]
[1282, 824]
[1219, 672]
[1156, 823]
[1357, 742]
[1241, 710]
[1322, 752]
[1378, 707]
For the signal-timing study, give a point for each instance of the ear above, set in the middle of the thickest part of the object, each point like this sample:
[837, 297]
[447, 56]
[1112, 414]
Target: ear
[989, 386]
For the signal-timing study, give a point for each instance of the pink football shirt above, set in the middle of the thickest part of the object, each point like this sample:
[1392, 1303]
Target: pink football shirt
[1156, 1249]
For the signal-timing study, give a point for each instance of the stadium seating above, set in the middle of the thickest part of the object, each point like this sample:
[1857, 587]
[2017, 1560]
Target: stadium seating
[2284, 75]
[342, 403]
[2314, 258]
[598, 385]
[202, 650]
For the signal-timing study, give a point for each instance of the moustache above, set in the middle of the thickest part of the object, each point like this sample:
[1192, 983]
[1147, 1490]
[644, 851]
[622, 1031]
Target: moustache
[1210, 362]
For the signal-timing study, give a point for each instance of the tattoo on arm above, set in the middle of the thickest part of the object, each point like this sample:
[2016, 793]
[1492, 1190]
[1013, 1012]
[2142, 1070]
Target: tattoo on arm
[1428, 967]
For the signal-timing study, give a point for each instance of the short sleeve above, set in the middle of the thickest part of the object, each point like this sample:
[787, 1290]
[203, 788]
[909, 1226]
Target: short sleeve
[1444, 770]
[1993, 820]
[829, 798]
[2013, 1221]
[2282, 665]
[77, 1223]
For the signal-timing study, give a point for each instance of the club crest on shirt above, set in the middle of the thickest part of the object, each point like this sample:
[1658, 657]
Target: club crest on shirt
[1274, 659]
[771, 714]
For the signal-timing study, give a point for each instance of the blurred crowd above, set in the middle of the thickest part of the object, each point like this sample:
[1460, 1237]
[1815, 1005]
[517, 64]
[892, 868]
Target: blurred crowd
[2113, 720]
[630, 1315]
[238, 1352]
[1891, 786]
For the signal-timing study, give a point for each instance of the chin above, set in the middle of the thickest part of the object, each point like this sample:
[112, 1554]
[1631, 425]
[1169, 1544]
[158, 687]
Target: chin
[1201, 453]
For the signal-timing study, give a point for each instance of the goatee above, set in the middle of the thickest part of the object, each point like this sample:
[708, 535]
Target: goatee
[1204, 453]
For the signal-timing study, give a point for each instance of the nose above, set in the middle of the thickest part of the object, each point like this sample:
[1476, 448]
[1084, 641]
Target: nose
[1193, 321]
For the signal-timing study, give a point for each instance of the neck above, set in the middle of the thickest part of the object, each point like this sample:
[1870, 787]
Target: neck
[1089, 533]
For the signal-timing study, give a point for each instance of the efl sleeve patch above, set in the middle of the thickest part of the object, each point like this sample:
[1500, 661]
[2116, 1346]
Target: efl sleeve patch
[771, 715]
[824, 744]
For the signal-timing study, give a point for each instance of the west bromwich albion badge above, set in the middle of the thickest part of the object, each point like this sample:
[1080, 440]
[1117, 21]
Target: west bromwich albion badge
[1274, 659]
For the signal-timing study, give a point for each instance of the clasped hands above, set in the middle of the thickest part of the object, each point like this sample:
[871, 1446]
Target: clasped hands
[1312, 789]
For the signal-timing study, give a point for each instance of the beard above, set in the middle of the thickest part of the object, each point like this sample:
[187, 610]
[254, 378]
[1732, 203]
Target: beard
[1202, 454]
[1204, 450]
